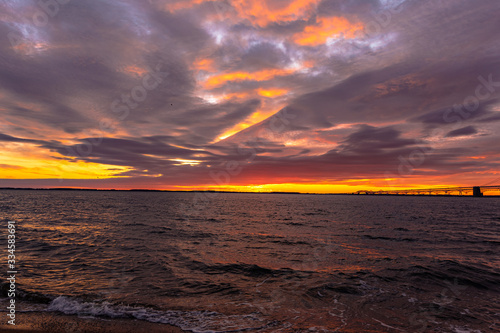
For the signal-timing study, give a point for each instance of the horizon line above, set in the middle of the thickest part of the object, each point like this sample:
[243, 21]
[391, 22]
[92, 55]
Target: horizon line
[217, 191]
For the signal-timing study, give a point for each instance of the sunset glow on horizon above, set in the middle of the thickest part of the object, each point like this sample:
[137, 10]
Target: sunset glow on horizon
[309, 96]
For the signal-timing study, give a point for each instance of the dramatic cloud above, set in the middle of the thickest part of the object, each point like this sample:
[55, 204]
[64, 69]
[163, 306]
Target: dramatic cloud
[274, 94]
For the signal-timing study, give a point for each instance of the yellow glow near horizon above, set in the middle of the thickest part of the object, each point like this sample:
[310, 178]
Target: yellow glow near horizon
[47, 169]
[18, 161]
[285, 187]
[320, 188]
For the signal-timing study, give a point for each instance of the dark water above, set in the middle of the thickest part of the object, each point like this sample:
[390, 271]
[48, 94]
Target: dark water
[269, 263]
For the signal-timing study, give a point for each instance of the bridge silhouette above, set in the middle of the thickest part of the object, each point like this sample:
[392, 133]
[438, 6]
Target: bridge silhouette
[475, 191]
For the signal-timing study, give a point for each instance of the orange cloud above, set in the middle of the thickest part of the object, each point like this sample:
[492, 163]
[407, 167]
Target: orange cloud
[327, 27]
[263, 75]
[253, 119]
[264, 12]
[240, 95]
[272, 92]
[135, 70]
[204, 65]
[308, 64]
[259, 12]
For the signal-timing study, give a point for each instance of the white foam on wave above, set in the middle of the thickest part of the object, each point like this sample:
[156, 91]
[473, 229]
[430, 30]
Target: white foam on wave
[465, 330]
[195, 321]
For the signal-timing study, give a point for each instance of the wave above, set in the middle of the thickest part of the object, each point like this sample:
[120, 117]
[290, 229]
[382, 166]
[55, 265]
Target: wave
[406, 239]
[458, 277]
[240, 269]
[195, 321]
[445, 272]
[329, 289]
[24, 295]
[204, 288]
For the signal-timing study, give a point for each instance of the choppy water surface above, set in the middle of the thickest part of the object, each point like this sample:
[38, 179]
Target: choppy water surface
[270, 262]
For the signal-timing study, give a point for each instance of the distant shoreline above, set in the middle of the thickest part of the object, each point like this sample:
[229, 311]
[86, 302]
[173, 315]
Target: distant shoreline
[146, 190]
[212, 191]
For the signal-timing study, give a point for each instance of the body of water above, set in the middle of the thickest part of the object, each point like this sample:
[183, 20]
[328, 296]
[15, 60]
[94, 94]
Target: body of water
[259, 262]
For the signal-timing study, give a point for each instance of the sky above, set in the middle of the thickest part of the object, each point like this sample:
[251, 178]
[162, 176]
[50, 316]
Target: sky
[249, 95]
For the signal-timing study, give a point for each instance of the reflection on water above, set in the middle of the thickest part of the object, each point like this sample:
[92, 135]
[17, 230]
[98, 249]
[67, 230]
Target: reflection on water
[277, 263]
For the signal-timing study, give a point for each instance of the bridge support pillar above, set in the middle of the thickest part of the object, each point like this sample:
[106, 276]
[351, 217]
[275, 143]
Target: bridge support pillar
[476, 191]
